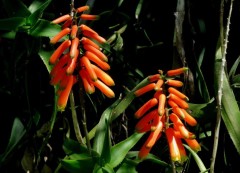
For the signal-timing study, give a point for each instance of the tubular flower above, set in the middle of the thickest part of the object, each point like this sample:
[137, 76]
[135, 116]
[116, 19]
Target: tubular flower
[79, 56]
[166, 113]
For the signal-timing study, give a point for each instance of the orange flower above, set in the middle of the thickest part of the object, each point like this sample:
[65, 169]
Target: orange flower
[174, 83]
[144, 89]
[146, 122]
[193, 144]
[161, 104]
[146, 107]
[63, 97]
[179, 125]
[59, 51]
[104, 88]
[177, 71]
[173, 146]
[177, 93]
[103, 76]
[92, 57]
[180, 102]
[60, 35]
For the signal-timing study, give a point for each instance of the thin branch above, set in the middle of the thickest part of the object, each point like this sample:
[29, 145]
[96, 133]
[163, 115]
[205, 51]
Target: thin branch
[224, 41]
[75, 119]
[83, 112]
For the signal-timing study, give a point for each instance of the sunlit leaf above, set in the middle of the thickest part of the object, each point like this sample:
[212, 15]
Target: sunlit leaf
[37, 14]
[44, 28]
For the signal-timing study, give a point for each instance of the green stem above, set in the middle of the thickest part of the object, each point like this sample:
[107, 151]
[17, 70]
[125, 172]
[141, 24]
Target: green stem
[75, 119]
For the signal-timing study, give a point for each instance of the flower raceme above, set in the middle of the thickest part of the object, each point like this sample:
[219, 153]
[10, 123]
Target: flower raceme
[167, 112]
[78, 56]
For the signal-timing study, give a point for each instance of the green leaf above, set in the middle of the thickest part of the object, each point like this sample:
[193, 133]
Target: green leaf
[44, 28]
[197, 159]
[17, 133]
[76, 166]
[234, 68]
[127, 100]
[45, 55]
[9, 35]
[150, 157]
[139, 9]
[38, 7]
[201, 81]
[71, 146]
[120, 150]
[108, 169]
[230, 109]
[15, 8]
[127, 167]
[101, 142]
[12, 24]
[203, 110]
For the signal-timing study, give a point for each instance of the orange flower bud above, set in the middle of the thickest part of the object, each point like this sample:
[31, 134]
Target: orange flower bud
[179, 125]
[60, 35]
[87, 82]
[103, 76]
[146, 107]
[177, 93]
[61, 19]
[74, 47]
[177, 71]
[193, 144]
[180, 102]
[104, 89]
[189, 119]
[174, 83]
[95, 51]
[92, 57]
[87, 64]
[144, 89]
[154, 134]
[89, 17]
[63, 97]
[82, 8]
[161, 104]
[58, 52]
[74, 31]
[159, 85]
[154, 78]
[94, 36]
[146, 122]
[86, 40]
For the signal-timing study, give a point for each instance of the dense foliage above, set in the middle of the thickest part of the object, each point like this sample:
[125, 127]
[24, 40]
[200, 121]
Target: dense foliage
[139, 86]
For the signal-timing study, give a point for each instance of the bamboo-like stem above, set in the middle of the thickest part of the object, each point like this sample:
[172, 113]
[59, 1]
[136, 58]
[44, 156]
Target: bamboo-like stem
[223, 41]
[75, 119]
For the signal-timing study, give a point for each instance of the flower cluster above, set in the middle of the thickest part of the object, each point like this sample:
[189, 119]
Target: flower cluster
[78, 56]
[167, 112]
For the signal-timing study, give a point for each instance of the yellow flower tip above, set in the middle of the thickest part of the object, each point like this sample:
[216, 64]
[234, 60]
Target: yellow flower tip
[176, 159]
[61, 108]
